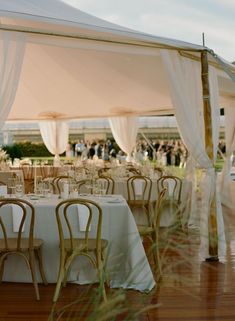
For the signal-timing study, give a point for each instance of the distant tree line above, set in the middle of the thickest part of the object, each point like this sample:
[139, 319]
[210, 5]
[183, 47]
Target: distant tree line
[26, 149]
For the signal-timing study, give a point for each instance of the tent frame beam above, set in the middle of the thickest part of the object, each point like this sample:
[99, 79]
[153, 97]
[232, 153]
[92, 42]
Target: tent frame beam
[148, 44]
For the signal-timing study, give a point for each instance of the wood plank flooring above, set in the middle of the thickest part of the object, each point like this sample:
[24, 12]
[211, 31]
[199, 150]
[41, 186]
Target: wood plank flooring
[190, 290]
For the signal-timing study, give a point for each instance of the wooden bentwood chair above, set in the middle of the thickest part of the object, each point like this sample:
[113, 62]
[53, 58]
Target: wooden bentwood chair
[139, 197]
[152, 231]
[73, 246]
[171, 207]
[23, 244]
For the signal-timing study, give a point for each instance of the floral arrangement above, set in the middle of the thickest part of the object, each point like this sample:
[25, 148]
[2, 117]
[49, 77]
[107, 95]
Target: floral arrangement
[3, 155]
[25, 161]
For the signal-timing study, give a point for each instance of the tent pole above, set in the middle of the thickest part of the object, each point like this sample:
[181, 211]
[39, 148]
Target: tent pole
[213, 233]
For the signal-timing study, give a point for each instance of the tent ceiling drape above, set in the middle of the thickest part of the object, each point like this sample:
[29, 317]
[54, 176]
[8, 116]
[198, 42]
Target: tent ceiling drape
[89, 84]
[85, 67]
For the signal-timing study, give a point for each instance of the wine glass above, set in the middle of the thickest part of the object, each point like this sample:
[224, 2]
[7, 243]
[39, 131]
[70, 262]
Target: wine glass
[102, 187]
[11, 185]
[19, 190]
[46, 189]
[39, 185]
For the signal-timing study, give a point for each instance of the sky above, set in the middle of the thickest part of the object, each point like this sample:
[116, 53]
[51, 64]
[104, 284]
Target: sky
[184, 20]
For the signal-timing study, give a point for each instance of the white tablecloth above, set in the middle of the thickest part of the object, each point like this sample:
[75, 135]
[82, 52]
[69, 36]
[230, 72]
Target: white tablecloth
[127, 262]
[6, 175]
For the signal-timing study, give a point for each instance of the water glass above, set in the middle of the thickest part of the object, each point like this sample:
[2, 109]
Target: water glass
[46, 189]
[11, 184]
[102, 187]
[96, 189]
[19, 190]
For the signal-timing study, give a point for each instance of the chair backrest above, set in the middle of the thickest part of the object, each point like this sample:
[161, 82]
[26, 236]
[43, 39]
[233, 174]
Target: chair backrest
[27, 171]
[111, 187]
[84, 186]
[58, 182]
[24, 213]
[174, 186]
[107, 183]
[133, 170]
[103, 171]
[47, 186]
[67, 215]
[139, 187]
[80, 172]
[158, 171]
[157, 209]
[49, 171]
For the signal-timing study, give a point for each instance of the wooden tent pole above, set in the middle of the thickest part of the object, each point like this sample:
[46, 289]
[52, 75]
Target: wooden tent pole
[213, 233]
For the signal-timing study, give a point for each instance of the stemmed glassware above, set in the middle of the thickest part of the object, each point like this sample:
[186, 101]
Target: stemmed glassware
[11, 185]
[46, 189]
[102, 186]
[39, 185]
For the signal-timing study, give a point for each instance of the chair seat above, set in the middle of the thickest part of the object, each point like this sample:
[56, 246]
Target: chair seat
[138, 202]
[170, 213]
[12, 244]
[144, 229]
[80, 244]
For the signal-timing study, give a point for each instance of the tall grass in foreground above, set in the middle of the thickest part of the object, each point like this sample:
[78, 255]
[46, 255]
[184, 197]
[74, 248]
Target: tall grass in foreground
[178, 251]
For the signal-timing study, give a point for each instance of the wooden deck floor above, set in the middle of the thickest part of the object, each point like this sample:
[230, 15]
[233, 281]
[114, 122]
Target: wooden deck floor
[190, 290]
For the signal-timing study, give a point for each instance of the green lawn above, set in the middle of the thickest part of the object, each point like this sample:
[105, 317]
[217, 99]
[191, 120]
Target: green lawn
[219, 165]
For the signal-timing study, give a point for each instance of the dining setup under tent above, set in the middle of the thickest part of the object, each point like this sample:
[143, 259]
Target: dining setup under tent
[59, 63]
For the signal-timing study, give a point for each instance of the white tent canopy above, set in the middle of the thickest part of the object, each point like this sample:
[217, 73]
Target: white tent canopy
[90, 67]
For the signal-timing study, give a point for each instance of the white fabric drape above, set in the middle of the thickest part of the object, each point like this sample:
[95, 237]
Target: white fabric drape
[55, 136]
[124, 130]
[184, 77]
[226, 196]
[215, 113]
[12, 48]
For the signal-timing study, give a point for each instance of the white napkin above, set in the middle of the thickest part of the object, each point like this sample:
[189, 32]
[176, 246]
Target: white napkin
[3, 190]
[83, 215]
[138, 185]
[17, 214]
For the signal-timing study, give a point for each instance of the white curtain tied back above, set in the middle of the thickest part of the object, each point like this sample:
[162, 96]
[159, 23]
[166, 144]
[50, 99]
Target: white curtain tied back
[226, 191]
[55, 135]
[124, 130]
[184, 76]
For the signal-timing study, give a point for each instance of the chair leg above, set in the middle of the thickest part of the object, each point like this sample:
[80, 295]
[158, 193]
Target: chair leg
[32, 269]
[60, 278]
[38, 252]
[156, 256]
[148, 210]
[101, 280]
[58, 285]
[2, 269]
[65, 262]
[66, 270]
